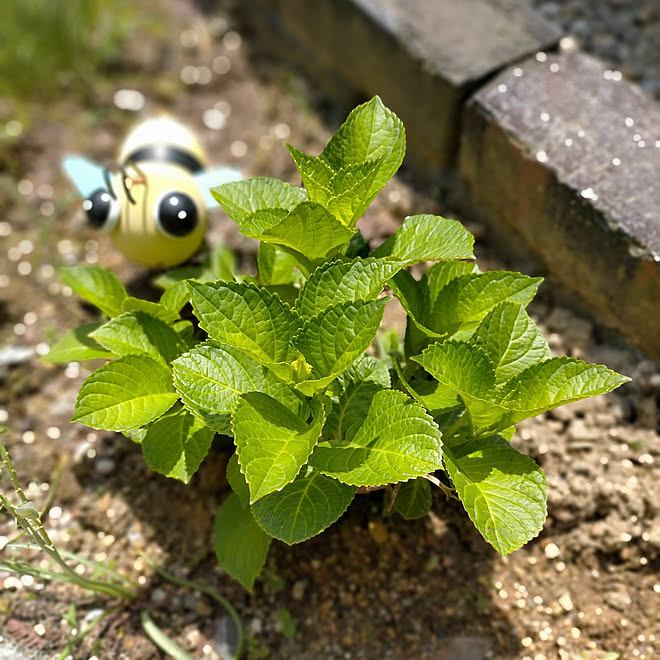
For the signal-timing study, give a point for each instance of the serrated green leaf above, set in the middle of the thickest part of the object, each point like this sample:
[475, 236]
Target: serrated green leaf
[124, 394]
[260, 221]
[156, 310]
[353, 191]
[97, 286]
[271, 442]
[339, 282]
[211, 377]
[137, 333]
[176, 444]
[413, 499]
[428, 238]
[511, 340]
[236, 480]
[434, 396]
[309, 229]
[467, 299]
[240, 544]
[246, 317]
[503, 491]
[466, 370]
[275, 267]
[315, 173]
[371, 132]
[438, 276]
[241, 199]
[414, 298]
[357, 387]
[553, 383]
[331, 341]
[186, 332]
[304, 508]
[175, 296]
[77, 345]
[396, 441]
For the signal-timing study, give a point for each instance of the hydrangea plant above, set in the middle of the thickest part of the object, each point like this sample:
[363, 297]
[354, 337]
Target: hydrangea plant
[287, 364]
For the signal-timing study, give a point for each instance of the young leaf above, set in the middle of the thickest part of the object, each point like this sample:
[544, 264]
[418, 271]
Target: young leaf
[240, 544]
[357, 387]
[175, 445]
[175, 296]
[466, 370]
[438, 276]
[271, 442]
[331, 341]
[396, 441]
[371, 132]
[553, 383]
[97, 286]
[248, 318]
[77, 345]
[353, 190]
[503, 491]
[428, 238]
[158, 310]
[241, 199]
[338, 282]
[124, 394]
[236, 480]
[309, 229]
[315, 173]
[137, 333]
[211, 377]
[304, 508]
[275, 267]
[511, 340]
[467, 299]
[413, 500]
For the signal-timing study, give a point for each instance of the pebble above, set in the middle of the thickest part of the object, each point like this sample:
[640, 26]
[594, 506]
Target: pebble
[566, 602]
[105, 466]
[158, 595]
[618, 600]
[578, 431]
[298, 590]
[551, 551]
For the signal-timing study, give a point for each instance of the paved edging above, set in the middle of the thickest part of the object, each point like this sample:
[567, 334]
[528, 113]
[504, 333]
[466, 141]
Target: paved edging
[466, 74]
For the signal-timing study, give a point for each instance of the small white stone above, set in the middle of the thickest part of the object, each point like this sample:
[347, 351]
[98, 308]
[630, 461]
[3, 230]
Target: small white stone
[551, 551]
[566, 602]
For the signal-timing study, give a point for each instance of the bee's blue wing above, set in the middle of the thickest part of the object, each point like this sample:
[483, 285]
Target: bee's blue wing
[86, 175]
[214, 177]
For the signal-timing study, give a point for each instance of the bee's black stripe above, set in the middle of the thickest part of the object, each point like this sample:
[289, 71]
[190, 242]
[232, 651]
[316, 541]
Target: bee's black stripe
[166, 153]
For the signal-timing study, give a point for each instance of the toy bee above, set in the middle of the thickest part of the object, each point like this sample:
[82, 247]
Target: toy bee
[153, 203]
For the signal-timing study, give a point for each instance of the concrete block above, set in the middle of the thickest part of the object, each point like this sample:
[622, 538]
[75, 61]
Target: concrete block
[423, 57]
[567, 155]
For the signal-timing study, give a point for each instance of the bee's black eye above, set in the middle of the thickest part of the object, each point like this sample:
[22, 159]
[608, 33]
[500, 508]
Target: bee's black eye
[102, 209]
[176, 213]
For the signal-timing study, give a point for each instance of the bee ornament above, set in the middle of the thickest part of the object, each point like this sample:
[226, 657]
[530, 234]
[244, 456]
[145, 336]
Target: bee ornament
[153, 203]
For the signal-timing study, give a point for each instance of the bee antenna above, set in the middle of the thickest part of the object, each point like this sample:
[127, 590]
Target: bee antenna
[124, 177]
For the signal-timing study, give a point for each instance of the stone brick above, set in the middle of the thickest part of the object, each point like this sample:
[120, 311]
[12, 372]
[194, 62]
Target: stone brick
[569, 159]
[423, 57]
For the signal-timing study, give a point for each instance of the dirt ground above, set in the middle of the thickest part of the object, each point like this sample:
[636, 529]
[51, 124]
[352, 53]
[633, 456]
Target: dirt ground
[370, 587]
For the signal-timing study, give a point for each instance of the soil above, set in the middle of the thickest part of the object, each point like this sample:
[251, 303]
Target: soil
[371, 586]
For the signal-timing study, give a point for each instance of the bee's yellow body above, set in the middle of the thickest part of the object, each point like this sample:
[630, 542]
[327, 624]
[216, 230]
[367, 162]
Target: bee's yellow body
[153, 204]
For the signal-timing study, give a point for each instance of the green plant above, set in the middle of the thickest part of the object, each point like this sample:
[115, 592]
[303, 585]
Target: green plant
[285, 363]
[105, 580]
